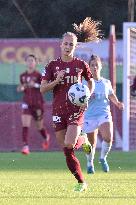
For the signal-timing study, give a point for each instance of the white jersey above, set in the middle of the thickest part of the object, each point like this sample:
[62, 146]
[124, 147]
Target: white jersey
[99, 104]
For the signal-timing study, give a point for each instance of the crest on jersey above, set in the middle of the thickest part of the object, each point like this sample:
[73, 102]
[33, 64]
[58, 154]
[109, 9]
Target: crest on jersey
[28, 79]
[78, 70]
[67, 70]
[57, 68]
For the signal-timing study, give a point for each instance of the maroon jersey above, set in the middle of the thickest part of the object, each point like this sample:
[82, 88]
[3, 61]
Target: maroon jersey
[32, 95]
[74, 71]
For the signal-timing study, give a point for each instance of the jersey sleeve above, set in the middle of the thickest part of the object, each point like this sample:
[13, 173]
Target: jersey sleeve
[87, 71]
[47, 73]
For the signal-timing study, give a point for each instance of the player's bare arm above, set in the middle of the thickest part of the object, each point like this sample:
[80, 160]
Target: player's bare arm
[47, 86]
[21, 87]
[113, 98]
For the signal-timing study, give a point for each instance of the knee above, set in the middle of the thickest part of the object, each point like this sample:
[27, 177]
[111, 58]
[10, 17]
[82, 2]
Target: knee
[68, 152]
[69, 146]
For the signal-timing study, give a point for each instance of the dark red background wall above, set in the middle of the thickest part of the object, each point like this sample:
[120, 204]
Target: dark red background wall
[10, 129]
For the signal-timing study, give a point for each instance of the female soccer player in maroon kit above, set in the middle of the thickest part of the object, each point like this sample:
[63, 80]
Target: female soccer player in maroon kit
[33, 103]
[58, 76]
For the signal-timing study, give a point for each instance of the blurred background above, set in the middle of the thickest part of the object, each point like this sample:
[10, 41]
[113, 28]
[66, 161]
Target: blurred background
[35, 27]
[50, 19]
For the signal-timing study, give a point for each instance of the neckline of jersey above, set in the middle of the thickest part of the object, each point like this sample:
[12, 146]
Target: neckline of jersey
[98, 81]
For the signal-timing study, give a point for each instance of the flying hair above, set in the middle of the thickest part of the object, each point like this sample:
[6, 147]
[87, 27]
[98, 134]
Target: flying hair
[88, 30]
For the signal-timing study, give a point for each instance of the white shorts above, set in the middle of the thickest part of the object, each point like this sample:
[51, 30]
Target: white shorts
[94, 123]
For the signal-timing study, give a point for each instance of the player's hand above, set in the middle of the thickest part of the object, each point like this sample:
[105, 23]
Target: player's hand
[21, 88]
[60, 75]
[120, 105]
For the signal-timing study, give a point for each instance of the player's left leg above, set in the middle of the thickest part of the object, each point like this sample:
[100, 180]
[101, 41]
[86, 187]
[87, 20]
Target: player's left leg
[26, 122]
[40, 126]
[106, 130]
[71, 137]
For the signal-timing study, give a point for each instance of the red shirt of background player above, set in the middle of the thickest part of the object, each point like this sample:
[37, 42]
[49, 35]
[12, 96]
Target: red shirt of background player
[32, 95]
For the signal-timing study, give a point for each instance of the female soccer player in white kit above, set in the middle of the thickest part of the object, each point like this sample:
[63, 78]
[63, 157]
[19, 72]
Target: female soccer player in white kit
[98, 116]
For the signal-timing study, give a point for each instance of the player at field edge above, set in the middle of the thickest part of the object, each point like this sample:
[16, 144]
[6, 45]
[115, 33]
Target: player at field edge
[98, 116]
[33, 103]
[58, 76]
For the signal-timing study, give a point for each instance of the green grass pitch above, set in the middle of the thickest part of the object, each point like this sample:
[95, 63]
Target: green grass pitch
[43, 179]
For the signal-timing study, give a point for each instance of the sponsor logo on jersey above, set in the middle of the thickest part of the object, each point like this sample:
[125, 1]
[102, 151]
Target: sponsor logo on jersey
[56, 119]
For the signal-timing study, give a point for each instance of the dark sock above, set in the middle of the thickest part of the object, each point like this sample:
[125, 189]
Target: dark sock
[25, 135]
[73, 164]
[43, 133]
[80, 141]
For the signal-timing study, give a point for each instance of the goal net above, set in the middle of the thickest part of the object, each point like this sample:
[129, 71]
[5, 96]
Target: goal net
[129, 72]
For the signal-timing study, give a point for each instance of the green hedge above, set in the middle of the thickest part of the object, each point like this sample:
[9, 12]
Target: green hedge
[8, 93]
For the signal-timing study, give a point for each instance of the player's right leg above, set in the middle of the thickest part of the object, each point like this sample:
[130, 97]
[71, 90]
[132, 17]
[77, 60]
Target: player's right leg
[71, 161]
[71, 137]
[26, 122]
[92, 137]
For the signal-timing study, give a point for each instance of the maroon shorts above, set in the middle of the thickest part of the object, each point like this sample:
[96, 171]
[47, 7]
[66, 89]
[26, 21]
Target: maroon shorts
[65, 116]
[36, 111]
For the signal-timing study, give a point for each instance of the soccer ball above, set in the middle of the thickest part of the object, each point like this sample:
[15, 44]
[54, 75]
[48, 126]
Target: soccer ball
[79, 94]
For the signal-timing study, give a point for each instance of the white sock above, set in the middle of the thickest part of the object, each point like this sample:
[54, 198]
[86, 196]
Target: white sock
[106, 147]
[90, 157]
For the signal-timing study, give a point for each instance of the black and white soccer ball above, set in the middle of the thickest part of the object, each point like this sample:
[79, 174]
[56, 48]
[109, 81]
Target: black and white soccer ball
[79, 94]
